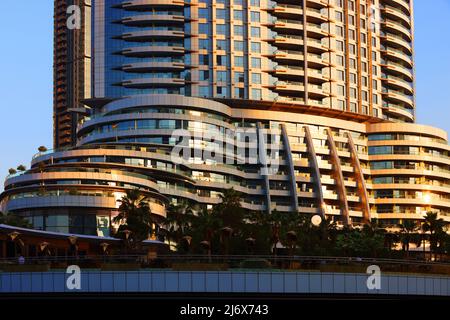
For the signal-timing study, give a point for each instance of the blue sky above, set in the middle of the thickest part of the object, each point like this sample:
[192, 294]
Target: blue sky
[26, 74]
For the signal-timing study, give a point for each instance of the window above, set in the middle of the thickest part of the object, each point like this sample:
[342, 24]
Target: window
[239, 93]
[221, 91]
[352, 48]
[238, 15]
[256, 32]
[341, 90]
[256, 47]
[341, 75]
[256, 78]
[353, 93]
[365, 110]
[238, 2]
[375, 70]
[352, 34]
[353, 63]
[341, 105]
[256, 63]
[221, 13]
[363, 38]
[364, 95]
[239, 77]
[221, 29]
[255, 16]
[364, 66]
[375, 84]
[364, 81]
[203, 59]
[203, 91]
[339, 16]
[221, 60]
[375, 98]
[221, 76]
[340, 45]
[203, 44]
[204, 75]
[351, 20]
[255, 3]
[238, 45]
[203, 28]
[256, 94]
[339, 31]
[353, 107]
[238, 30]
[353, 78]
[351, 5]
[239, 61]
[340, 60]
[363, 52]
[222, 45]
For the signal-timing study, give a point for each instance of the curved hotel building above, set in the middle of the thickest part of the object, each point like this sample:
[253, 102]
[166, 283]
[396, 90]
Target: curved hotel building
[327, 84]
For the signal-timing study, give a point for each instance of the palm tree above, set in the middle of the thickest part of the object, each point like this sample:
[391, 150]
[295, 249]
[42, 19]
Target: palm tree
[21, 168]
[436, 227]
[179, 218]
[407, 228]
[14, 220]
[135, 215]
[229, 210]
[42, 149]
[12, 171]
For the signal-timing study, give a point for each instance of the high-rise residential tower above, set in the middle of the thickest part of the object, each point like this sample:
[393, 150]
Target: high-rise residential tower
[324, 87]
[72, 68]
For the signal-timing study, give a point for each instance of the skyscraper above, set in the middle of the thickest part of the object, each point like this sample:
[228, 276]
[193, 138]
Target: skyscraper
[322, 91]
[72, 69]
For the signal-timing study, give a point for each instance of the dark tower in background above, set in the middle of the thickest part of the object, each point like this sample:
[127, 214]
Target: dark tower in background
[71, 70]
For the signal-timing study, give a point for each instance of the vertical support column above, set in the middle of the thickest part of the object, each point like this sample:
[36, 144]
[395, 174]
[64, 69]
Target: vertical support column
[359, 175]
[314, 165]
[369, 53]
[287, 149]
[264, 170]
[347, 56]
[305, 51]
[339, 178]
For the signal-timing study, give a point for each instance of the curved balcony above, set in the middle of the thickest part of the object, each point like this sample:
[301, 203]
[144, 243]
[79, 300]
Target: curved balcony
[315, 15]
[288, 11]
[396, 14]
[149, 35]
[153, 66]
[290, 87]
[397, 29]
[316, 46]
[316, 92]
[314, 31]
[398, 83]
[152, 19]
[285, 26]
[150, 4]
[288, 56]
[401, 4]
[396, 42]
[397, 70]
[316, 76]
[398, 97]
[153, 82]
[318, 4]
[400, 112]
[397, 55]
[289, 41]
[287, 70]
[316, 61]
[149, 51]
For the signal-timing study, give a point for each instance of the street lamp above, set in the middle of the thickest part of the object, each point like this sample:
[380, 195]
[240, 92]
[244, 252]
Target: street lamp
[316, 220]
